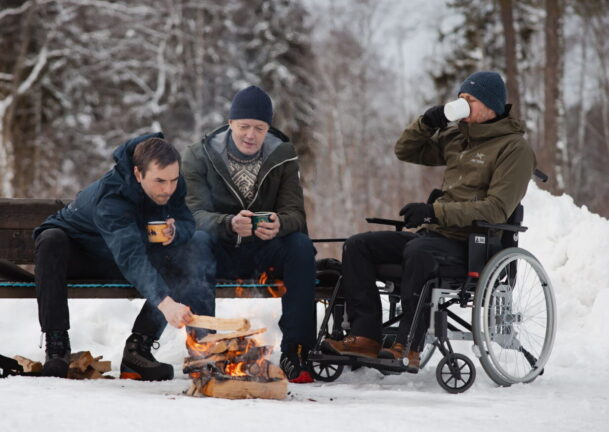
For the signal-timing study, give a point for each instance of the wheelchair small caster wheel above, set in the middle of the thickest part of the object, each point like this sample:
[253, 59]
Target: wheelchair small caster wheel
[324, 371]
[455, 373]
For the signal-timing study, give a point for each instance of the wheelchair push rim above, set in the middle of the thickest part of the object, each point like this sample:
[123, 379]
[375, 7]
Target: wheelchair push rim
[514, 317]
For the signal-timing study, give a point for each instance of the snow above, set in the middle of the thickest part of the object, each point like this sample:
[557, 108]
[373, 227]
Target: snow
[571, 243]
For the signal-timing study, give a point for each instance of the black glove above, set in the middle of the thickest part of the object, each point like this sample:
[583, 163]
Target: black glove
[434, 117]
[416, 214]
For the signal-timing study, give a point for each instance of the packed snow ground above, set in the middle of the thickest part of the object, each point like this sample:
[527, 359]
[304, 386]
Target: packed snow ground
[572, 395]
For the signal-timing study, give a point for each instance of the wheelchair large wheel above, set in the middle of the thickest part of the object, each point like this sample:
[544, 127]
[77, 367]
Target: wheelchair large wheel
[455, 373]
[324, 371]
[514, 317]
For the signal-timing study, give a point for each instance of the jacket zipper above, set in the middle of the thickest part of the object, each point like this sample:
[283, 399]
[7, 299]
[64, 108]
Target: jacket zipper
[265, 176]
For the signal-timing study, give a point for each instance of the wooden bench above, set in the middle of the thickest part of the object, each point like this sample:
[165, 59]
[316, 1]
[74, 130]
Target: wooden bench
[18, 218]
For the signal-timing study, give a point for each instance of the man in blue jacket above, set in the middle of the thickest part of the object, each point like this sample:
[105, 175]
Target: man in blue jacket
[103, 234]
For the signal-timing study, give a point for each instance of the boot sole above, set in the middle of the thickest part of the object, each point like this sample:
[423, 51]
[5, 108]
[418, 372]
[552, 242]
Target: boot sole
[130, 375]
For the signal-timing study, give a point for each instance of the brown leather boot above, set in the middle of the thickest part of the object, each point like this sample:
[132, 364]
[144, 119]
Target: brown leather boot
[414, 362]
[352, 345]
[396, 352]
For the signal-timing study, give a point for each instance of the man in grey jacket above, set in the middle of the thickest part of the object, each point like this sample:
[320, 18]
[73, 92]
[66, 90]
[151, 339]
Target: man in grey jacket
[244, 167]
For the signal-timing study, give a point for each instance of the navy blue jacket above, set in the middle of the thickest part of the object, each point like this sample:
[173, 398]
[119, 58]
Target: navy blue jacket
[108, 219]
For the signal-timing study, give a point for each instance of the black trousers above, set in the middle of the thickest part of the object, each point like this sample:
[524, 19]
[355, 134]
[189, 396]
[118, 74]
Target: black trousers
[57, 258]
[292, 257]
[416, 252]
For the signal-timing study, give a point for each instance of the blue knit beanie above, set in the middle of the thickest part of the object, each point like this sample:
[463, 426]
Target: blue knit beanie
[488, 88]
[252, 103]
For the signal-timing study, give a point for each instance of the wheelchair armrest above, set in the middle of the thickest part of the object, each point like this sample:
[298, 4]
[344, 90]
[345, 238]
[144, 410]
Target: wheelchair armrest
[399, 225]
[504, 227]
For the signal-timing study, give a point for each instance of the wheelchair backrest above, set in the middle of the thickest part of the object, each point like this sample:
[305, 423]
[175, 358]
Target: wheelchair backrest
[482, 246]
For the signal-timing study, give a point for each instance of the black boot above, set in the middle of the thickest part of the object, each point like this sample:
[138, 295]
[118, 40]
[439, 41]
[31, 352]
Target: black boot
[57, 350]
[138, 362]
[293, 362]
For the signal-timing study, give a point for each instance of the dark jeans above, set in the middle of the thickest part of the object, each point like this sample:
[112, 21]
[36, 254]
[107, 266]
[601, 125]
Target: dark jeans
[416, 252]
[292, 258]
[187, 269]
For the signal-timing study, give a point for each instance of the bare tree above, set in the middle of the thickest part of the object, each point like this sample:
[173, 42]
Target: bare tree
[511, 60]
[553, 143]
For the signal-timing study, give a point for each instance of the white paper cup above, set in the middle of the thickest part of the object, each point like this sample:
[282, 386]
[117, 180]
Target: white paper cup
[456, 110]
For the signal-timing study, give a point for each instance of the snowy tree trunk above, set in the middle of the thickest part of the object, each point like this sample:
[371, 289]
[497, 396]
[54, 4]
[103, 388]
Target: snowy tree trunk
[552, 143]
[511, 61]
[6, 152]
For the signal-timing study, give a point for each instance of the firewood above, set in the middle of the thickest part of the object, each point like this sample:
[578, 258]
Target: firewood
[223, 324]
[81, 360]
[225, 336]
[102, 366]
[244, 389]
[275, 372]
[29, 366]
[89, 373]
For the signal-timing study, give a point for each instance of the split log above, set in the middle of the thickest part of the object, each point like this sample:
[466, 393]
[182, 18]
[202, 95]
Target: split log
[81, 360]
[244, 389]
[225, 336]
[223, 324]
[251, 355]
[29, 366]
[102, 366]
[89, 373]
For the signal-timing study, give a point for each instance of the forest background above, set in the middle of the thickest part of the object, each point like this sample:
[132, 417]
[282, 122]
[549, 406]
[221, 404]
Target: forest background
[79, 77]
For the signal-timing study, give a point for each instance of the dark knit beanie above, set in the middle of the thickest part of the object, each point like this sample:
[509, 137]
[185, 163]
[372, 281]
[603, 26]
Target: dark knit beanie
[488, 88]
[252, 103]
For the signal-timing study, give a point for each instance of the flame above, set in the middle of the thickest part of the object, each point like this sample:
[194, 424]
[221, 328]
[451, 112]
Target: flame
[239, 291]
[277, 289]
[196, 346]
[235, 369]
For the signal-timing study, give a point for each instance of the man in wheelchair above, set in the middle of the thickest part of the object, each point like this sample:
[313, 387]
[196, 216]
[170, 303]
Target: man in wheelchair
[488, 166]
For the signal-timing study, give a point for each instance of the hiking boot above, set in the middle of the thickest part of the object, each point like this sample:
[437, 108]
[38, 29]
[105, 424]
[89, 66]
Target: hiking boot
[138, 362]
[396, 352]
[358, 346]
[293, 362]
[57, 360]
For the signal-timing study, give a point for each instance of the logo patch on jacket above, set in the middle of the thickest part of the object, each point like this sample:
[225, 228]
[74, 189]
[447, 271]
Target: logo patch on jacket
[478, 158]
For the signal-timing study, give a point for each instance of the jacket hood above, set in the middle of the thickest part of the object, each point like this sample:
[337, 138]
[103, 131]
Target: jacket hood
[217, 140]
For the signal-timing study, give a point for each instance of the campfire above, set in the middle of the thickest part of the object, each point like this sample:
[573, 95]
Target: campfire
[232, 365]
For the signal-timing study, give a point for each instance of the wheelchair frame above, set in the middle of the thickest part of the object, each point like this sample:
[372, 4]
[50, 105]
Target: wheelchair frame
[488, 290]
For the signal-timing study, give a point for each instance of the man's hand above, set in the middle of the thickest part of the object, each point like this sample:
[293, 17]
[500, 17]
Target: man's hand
[268, 230]
[434, 117]
[170, 231]
[176, 314]
[416, 214]
[241, 223]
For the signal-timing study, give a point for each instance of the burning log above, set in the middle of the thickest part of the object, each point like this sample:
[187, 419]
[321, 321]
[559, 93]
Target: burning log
[233, 367]
[227, 336]
[233, 389]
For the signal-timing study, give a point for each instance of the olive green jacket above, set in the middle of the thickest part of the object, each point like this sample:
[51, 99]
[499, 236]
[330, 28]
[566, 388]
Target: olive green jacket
[488, 168]
[213, 196]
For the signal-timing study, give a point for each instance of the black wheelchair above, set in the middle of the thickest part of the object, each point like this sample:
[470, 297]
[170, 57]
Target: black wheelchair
[513, 312]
